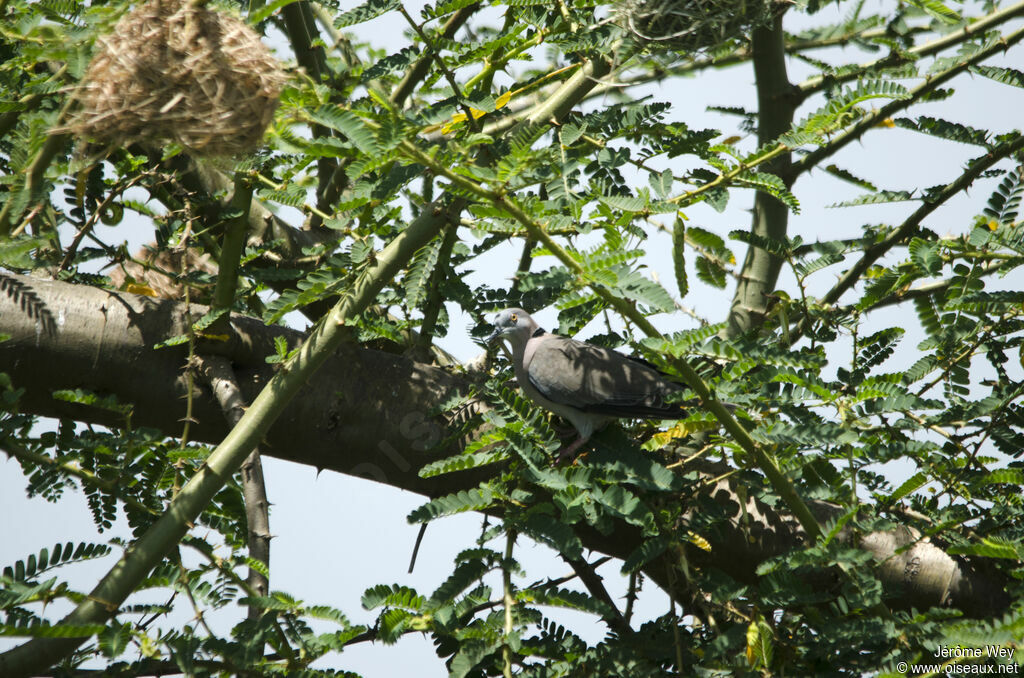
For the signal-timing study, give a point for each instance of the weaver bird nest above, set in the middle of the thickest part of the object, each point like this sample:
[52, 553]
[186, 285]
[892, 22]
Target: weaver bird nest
[693, 25]
[175, 71]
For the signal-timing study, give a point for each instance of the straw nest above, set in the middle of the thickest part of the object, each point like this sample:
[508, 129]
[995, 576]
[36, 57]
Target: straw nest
[693, 25]
[174, 71]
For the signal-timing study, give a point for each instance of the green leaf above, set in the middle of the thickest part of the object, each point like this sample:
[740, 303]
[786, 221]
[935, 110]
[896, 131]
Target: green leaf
[264, 11]
[392, 596]
[466, 574]
[565, 598]
[762, 354]
[990, 547]
[643, 554]
[35, 565]
[463, 462]
[546, 529]
[661, 183]
[17, 253]
[877, 198]
[459, 502]
[760, 645]
[637, 287]
[839, 111]
[848, 176]
[625, 504]
[679, 255]
[999, 302]
[392, 63]
[938, 10]
[682, 343]
[1004, 476]
[807, 434]
[470, 655]
[114, 639]
[928, 315]
[925, 254]
[806, 268]
[1004, 202]
[418, 278]
[444, 8]
[349, 124]
[908, 487]
[770, 184]
[953, 131]
[626, 203]
[780, 248]
[208, 319]
[371, 9]
[710, 272]
[1007, 76]
[601, 260]
[90, 399]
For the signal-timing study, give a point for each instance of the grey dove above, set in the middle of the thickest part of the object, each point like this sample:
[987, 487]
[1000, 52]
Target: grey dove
[586, 384]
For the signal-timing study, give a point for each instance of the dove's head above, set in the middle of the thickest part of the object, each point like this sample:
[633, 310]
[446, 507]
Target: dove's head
[513, 324]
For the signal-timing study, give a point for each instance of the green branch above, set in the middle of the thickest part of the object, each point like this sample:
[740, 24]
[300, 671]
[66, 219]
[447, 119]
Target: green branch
[760, 271]
[150, 549]
[232, 246]
[300, 27]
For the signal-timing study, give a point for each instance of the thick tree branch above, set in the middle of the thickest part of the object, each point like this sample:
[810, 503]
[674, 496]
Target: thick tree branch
[221, 378]
[371, 415]
[760, 271]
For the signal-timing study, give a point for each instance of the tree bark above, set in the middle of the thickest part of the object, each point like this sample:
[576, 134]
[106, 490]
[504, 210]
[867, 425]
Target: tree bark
[373, 415]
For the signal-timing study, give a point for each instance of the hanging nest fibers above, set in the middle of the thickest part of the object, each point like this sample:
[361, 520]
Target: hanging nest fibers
[173, 70]
[693, 25]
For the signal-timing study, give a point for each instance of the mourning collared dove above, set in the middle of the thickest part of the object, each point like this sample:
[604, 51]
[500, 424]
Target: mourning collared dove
[588, 385]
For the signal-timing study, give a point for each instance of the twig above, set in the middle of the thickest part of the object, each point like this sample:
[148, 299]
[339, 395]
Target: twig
[872, 119]
[19, 451]
[509, 602]
[595, 585]
[979, 26]
[232, 246]
[416, 546]
[435, 297]
[93, 218]
[448, 75]
[873, 253]
[419, 70]
[217, 372]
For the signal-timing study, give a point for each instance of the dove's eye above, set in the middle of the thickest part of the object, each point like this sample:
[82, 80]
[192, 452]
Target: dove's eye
[514, 318]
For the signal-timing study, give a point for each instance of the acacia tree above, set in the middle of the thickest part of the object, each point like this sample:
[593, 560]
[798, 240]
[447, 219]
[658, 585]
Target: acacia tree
[383, 178]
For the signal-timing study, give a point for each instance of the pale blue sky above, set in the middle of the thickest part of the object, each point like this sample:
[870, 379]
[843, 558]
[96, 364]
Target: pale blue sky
[337, 536]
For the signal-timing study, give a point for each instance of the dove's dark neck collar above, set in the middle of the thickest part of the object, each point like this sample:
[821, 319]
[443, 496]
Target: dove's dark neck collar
[538, 332]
